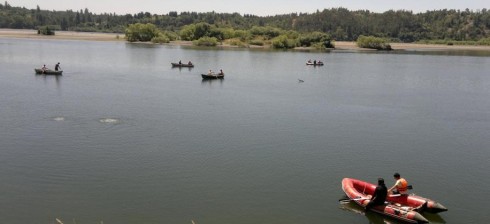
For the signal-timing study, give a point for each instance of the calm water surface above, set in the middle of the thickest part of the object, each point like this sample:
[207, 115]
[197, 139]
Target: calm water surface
[122, 137]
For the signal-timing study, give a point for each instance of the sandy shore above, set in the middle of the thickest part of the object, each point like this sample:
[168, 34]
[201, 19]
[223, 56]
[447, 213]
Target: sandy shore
[413, 46]
[339, 45]
[61, 35]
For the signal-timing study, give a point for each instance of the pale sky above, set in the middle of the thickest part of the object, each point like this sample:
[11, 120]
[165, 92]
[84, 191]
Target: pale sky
[256, 7]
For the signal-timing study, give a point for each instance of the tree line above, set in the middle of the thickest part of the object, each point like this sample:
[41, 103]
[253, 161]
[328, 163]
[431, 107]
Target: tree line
[339, 23]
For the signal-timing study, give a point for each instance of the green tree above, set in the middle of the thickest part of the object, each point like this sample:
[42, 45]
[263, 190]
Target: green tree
[141, 32]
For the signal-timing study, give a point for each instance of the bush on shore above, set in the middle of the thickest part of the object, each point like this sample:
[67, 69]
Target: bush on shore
[141, 32]
[284, 42]
[206, 41]
[45, 30]
[160, 39]
[373, 43]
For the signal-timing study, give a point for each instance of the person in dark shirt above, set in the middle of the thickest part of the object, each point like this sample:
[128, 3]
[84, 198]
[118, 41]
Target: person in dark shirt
[57, 67]
[379, 196]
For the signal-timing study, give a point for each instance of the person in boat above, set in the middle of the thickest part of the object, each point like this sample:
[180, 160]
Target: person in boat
[44, 69]
[379, 195]
[221, 72]
[319, 62]
[401, 185]
[180, 62]
[314, 62]
[210, 72]
[190, 63]
[309, 61]
[57, 67]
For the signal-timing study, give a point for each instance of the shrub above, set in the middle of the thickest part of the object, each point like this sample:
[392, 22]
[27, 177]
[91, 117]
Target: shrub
[206, 41]
[45, 30]
[484, 41]
[237, 42]
[257, 42]
[282, 41]
[141, 32]
[373, 43]
[242, 34]
[171, 35]
[160, 39]
[196, 31]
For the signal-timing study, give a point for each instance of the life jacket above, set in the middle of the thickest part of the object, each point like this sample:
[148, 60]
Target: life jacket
[404, 186]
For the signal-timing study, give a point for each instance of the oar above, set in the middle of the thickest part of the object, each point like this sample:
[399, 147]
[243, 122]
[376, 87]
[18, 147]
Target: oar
[351, 199]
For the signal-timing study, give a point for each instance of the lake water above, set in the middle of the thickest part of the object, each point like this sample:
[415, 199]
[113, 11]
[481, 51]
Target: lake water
[122, 137]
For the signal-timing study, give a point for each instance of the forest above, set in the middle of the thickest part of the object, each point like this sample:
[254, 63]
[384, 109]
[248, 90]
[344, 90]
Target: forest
[339, 23]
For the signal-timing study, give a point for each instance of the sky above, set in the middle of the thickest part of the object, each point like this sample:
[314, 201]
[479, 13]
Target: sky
[255, 7]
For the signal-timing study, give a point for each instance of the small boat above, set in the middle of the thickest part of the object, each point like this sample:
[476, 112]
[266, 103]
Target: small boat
[315, 64]
[182, 65]
[358, 191]
[47, 72]
[213, 76]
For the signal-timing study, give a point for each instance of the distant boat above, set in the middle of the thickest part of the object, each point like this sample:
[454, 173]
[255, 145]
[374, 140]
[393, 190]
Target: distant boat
[47, 72]
[213, 76]
[182, 65]
[319, 63]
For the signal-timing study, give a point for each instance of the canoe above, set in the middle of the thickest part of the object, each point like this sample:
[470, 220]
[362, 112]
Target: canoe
[182, 65]
[358, 191]
[213, 76]
[317, 64]
[47, 72]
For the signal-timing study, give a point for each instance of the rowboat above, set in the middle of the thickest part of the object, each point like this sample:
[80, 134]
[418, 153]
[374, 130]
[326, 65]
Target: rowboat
[182, 65]
[213, 76]
[360, 192]
[47, 72]
[315, 64]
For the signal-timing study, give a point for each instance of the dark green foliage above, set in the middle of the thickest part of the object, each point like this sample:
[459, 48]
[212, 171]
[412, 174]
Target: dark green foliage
[45, 30]
[206, 41]
[308, 39]
[141, 32]
[373, 43]
[340, 23]
[160, 39]
[284, 42]
[257, 42]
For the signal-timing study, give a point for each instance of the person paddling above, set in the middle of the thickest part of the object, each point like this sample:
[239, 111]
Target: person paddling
[57, 67]
[379, 195]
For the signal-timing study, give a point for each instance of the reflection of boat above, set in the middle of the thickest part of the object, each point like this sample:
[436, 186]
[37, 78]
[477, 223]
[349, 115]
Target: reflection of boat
[315, 64]
[182, 65]
[371, 216]
[213, 76]
[351, 206]
[47, 72]
[358, 191]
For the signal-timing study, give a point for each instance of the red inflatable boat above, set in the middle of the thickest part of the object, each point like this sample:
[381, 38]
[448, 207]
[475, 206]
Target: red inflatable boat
[401, 207]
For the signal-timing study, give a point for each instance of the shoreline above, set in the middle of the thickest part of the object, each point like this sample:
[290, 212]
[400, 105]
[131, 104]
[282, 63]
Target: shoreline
[339, 45]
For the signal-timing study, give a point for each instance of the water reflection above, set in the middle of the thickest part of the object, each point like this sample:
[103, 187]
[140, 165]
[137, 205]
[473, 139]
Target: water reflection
[375, 218]
[182, 68]
[210, 82]
[46, 79]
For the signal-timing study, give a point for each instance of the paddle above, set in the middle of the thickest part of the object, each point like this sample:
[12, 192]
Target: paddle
[351, 199]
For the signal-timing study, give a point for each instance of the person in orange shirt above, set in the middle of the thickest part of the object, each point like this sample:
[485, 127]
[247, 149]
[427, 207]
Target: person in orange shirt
[401, 185]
